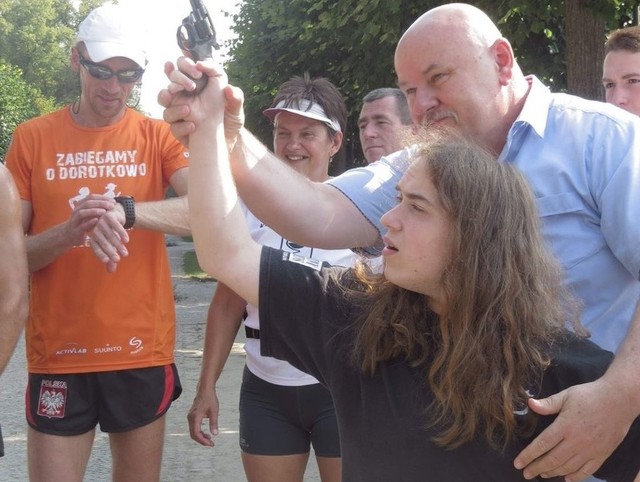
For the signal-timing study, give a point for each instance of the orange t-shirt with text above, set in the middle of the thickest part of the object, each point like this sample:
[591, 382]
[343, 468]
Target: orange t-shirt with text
[83, 319]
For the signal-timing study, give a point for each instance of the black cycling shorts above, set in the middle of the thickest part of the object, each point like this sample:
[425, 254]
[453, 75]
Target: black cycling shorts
[283, 420]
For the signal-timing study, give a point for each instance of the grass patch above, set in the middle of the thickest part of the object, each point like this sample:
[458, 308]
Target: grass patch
[192, 269]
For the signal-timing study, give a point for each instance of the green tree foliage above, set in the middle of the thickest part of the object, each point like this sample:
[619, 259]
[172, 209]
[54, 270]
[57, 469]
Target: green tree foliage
[18, 101]
[352, 42]
[35, 41]
[36, 36]
[537, 31]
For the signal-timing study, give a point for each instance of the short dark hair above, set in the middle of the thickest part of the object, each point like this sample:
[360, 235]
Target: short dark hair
[627, 38]
[318, 90]
[401, 101]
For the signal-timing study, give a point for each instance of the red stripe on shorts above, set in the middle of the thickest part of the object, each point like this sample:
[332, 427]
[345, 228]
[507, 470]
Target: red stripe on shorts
[27, 403]
[169, 382]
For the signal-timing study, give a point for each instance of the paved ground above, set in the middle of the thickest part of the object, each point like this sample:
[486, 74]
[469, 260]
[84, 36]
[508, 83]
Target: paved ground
[184, 460]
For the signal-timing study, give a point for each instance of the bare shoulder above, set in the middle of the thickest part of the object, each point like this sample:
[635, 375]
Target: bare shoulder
[7, 186]
[5, 175]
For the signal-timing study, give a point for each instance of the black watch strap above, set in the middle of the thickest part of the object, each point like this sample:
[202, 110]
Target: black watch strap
[129, 206]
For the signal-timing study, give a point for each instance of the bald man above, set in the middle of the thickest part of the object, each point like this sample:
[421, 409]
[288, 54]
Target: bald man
[581, 158]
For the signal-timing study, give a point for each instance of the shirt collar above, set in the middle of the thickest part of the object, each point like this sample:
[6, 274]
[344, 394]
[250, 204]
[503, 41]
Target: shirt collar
[536, 106]
[532, 117]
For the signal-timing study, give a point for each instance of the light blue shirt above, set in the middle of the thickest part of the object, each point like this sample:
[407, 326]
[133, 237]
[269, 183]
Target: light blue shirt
[582, 160]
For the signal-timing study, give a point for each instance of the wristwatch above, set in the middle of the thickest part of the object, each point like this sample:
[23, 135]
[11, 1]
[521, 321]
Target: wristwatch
[129, 206]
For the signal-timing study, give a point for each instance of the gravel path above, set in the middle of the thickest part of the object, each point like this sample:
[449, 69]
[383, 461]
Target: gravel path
[184, 460]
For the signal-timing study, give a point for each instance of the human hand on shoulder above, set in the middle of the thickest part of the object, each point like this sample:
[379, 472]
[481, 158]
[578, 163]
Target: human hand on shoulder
[591, 423]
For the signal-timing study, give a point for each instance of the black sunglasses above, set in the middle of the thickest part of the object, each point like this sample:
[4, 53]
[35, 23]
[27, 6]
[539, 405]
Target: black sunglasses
[125, 76]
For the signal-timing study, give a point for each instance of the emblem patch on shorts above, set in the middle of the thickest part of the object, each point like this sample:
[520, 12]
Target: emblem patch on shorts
[53, 398]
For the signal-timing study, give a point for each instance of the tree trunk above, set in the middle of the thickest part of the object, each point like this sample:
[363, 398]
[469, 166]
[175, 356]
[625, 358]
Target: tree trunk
[584, 50]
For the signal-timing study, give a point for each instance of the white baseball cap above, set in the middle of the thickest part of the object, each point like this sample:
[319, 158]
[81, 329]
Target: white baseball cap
[304, 108]
[109, 31]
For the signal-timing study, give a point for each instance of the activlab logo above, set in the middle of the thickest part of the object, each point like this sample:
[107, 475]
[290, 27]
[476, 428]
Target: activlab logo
[136, 343]
[71, 349]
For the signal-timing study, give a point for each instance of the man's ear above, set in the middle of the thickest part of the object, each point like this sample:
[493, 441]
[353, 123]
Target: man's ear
[504, 59]
[75, 59]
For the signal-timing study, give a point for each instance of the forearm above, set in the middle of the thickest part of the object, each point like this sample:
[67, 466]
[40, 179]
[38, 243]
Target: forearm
[12, 317]
[45, 247]
[212, 200]
[109, 238]
[221, 237]
[14, 303]
[223, 320]
[170, 216]
[220, 233]
[260, 176]
[335, 222]
[14, 275]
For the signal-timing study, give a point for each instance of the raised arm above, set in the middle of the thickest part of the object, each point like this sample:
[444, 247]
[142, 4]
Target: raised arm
[336, 222]
[260, 175]
[220, 234]
[13, 269]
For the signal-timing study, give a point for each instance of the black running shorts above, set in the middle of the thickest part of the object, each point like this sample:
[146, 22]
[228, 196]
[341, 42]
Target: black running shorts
[119, 401]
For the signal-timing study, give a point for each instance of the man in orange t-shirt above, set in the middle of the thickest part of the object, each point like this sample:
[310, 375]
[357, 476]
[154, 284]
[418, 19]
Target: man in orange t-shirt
[99, 344]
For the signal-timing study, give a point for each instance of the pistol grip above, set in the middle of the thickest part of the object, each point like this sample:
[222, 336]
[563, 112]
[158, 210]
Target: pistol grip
[201, 83]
